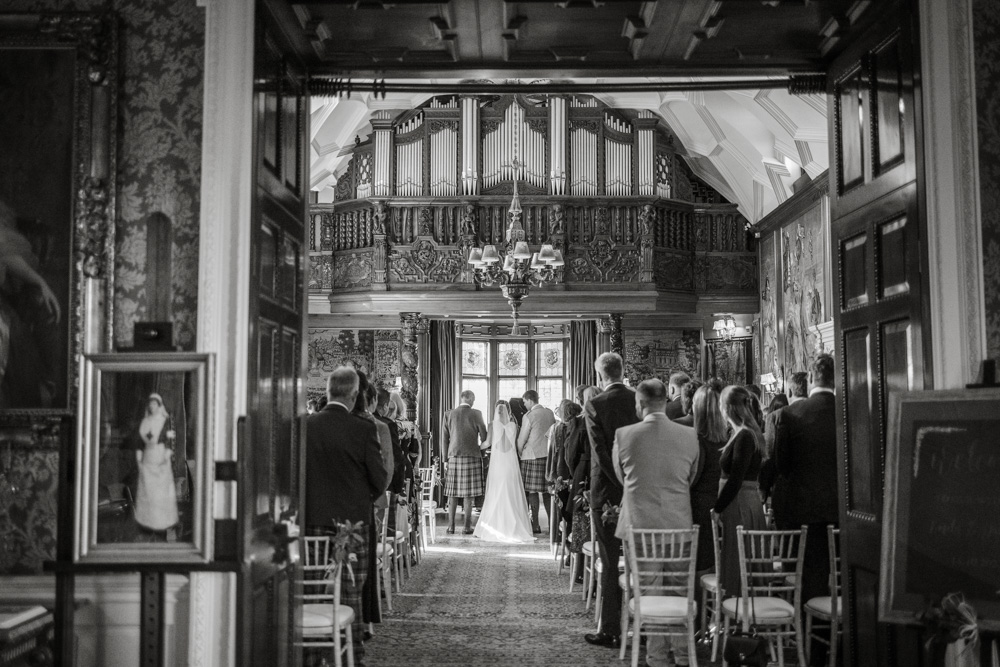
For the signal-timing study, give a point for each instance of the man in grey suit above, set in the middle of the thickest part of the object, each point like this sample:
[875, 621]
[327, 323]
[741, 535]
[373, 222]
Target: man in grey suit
[532, 449]
[464, 433]
[657, 462]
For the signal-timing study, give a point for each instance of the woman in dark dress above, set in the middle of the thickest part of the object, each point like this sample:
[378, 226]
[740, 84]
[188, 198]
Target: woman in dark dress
[369, 592]
[712, 431]
[578, 460]
[739, 498]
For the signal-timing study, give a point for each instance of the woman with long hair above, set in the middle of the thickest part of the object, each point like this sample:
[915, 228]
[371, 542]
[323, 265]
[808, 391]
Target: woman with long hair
[504, 517]
[738, 503]
[712, 431]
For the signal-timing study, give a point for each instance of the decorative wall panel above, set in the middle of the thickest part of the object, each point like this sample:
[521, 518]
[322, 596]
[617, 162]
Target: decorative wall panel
[770, 361]
[986, 32]
[426, 262]
[804, 287]
[352, 269]
[373, 351]
[659, 352]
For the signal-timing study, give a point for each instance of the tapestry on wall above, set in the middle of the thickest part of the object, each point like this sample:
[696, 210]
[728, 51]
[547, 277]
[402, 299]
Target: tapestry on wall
[768, 330]
[730, 361]
[374, 352]
[659, 352]
[803, 285]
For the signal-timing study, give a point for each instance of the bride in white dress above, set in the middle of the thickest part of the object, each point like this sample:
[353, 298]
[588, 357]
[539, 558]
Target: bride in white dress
[504, 517]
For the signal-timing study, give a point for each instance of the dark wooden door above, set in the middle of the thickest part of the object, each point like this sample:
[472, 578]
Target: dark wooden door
[877, 224]
[272, 433]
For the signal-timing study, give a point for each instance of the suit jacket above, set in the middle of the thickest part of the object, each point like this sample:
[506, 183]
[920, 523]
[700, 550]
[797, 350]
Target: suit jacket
[657, 462]
[398, 456]
[675, 410]
[805, 457]
[612, 408]
[344, 467]
[768, 469]
[464, 430]
[532, 441]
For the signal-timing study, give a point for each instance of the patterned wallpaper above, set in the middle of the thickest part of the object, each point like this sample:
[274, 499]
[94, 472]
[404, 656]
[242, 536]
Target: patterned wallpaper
[986, 33]
[374, 351]
[159, 170]
[660, 352]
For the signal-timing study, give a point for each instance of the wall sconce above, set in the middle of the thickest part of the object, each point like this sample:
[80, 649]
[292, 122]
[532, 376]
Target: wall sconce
[725, 328]
[769, 382]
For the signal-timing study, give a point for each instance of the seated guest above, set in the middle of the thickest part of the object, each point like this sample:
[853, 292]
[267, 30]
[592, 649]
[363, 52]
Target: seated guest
[738, 503]
[656, 461]
[712, 431]
[343, 453]
[677, 382]
[687, 394]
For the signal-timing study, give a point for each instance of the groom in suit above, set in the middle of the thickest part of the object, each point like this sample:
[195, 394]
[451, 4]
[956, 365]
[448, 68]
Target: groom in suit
[657, 462]
[532, 449]
[605, 413]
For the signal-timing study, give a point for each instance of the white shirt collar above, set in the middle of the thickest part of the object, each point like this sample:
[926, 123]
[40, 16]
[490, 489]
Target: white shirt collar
[612, 384]
[795, 399]
[654, 416]
[464, 405]
[820, 390]
[340, 404]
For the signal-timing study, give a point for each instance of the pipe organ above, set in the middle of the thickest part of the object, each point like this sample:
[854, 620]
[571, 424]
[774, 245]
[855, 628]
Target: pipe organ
[564, 145]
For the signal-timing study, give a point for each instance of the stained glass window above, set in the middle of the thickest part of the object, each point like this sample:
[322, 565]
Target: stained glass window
[512, 359]
[475, 358]
[549, 358]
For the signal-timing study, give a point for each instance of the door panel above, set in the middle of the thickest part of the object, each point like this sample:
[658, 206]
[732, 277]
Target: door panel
[269, 482]
[876, 228]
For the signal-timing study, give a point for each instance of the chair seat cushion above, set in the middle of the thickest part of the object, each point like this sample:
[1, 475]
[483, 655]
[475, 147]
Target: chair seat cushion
[318, 619]
[588, 548]
[822, 605]
[429, 505]
[764, 609]
[661, 608]
[710, 582]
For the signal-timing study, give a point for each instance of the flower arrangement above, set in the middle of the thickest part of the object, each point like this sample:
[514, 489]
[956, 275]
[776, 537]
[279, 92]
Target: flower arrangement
[582, 500]
[611, 514]
[344, 541]
[558, 486]
[952, 623]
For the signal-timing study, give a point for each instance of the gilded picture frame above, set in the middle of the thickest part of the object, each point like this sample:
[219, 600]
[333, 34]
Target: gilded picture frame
[145, 471]
[58, 88]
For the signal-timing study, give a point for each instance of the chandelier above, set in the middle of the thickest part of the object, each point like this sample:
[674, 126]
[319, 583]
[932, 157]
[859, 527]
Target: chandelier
[513, 265]
[725, 328]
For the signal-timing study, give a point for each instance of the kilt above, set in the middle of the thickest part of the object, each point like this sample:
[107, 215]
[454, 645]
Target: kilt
[464, 478]
[533, 475]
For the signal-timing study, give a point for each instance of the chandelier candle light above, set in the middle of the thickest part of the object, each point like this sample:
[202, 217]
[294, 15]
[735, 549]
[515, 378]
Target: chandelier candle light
[513, 265]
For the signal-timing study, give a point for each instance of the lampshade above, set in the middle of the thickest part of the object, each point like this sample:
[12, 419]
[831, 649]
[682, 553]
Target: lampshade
[536, 262]
[476, 257]
[767, 378]
[490, 255]
[508, 264]
[557, 259]
[730, 323]
[718, 325]
[545, 254]
[521, 250]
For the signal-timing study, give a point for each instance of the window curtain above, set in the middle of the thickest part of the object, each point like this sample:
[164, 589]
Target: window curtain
[582, 353]
[442, 369]
[731, 361]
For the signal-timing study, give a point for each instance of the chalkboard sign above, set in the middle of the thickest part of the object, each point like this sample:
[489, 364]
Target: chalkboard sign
[941, 528]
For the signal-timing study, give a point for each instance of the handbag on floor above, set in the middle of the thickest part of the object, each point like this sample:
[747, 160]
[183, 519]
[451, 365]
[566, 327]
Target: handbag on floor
[746, 648]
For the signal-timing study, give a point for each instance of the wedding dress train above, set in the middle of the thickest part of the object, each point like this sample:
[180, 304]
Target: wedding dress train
[504, 516]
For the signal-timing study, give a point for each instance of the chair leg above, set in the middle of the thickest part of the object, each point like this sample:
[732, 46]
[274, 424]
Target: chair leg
[809, 636]
[572, 569]
[799, 643]
[834, 640]
[337, 647]
[725, 633]
[636, 633]
[349, 639]
[625, 626]
[598, 601]
[703, 611]
[384, 569]
[781, 651]
[692, 653]
[588, 583]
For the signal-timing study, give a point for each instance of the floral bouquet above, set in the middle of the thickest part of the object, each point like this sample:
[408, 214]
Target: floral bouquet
[558, 486]
[344, 542]
[610, 514]
[952, 624]
[582, 500]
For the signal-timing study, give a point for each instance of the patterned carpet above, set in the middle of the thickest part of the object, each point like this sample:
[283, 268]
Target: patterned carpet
[478, 603]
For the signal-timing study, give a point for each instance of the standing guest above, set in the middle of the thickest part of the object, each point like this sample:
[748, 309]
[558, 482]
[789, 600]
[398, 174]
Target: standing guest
[532, 448]
[712, 431]
[556, 465]
[687, 399]
[677, 381]
[578, 460]
[342, 453]
[805, 491]
[656, 461]
[464, 432]
[363, 406]
[758, 409]
[383, 410]
[767, 471]
[517, 409]
[738, 503]
[614, 407]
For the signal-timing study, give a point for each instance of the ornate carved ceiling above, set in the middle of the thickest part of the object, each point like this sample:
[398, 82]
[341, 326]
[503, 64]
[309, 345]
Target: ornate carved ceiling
[749, 145]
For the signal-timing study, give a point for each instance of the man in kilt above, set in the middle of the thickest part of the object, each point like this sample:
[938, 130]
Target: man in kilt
[464, 433]
[532, 448]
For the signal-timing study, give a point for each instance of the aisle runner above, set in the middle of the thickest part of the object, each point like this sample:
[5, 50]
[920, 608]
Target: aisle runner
[477, 603]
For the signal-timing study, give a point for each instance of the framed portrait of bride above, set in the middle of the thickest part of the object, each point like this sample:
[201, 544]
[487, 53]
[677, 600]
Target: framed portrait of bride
[144, 469]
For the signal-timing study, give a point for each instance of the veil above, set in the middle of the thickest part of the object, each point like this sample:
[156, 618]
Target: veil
[500, 437]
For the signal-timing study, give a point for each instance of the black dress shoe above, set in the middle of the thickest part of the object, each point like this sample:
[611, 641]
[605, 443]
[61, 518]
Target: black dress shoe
[468, 531]
[603, 639]
[450, 531]
[578, 580]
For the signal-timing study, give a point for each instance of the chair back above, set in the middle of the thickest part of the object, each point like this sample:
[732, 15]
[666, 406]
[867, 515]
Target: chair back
[384, 528]
[716, 528]
[318, 571]
[663, 562]
[767, 557]
[428, 479]
[833, 541]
